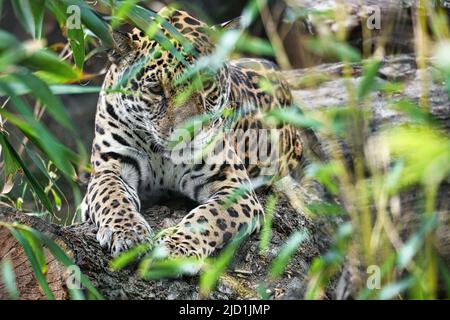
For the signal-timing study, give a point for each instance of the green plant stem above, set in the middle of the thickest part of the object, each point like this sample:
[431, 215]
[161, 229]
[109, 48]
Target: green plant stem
[430, 252]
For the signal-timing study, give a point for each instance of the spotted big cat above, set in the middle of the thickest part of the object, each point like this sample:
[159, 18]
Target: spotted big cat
[132, 153]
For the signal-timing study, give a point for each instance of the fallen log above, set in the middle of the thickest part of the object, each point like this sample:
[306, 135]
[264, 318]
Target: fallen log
[249, 267]
[239, 282]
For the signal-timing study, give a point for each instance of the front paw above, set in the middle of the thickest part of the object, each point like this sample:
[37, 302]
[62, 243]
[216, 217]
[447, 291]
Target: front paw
[126, 234]
[174, 244]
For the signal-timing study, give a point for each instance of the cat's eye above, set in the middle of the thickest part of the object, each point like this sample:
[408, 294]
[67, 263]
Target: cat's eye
[156, 89]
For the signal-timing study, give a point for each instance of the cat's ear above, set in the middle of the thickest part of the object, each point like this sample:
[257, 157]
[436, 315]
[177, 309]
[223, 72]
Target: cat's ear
[232, 24]
[122, 45]
[123, 42]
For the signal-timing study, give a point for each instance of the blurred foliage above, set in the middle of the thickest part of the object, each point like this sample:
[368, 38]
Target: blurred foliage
[33, 243]
[415, 155]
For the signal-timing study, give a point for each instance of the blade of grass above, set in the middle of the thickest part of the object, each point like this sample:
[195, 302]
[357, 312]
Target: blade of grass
[40, 90]
[266, 231]
[9, 278]
[121, 12]
[76, 40]
[129, 256]
[56, 89]
[445, 272]
[285, 253]
[92, 21]
[215, 267]
[33, 262]
[30, 13]
[35, 184]
[62, 257]
[37, 248]
[392, 290]
[368, 81]
[40, 135]
[170, 268]
[412, 246]
[294, 116]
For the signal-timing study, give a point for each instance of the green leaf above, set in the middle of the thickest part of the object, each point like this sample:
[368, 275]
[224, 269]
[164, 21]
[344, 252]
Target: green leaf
[145, 20]
[129, 256]
[413, 111]
[35, 184]
[445, 272]
[39, 135]
[123, 8]
[76, 40]
[368, 81]
[285, 254]
[266, 231]
[37, 248]
[386, 268]
[392, 290]
[76, 294]
[58, 9]
[216, 266]
[46, 61]
[57, 89]
[10, 164]
[57, 199]
[74, 89]
[424, 151]
[154, 269]
[412, 246]
[325, 174]
[325, 208]
[92, 21]
[33, 261]
[40, 90]
[255, 46]
[38, 162]
[7, 40]
[323, 268]
[138, 18]
[333, 48]
[294, 116]
[62, 257]
[75, 34]
[30, 14]
[8, 277]
[13, 52]
[263, 291]
[250, 12]
[37, 10]
[131, 72]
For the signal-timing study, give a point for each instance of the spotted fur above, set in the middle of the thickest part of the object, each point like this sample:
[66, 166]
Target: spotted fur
[134, 125]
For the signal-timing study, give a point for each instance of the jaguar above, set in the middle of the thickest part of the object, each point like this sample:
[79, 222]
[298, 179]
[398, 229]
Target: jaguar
[152, 89]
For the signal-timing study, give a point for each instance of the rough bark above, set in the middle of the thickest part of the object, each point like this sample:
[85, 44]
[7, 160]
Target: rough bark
[249, 266]
[240, 281]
